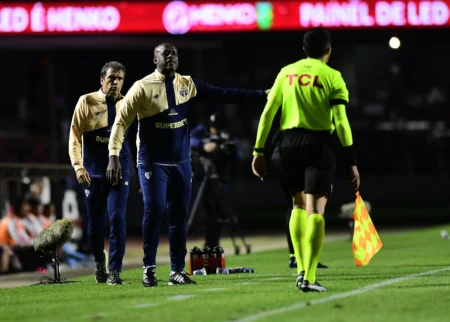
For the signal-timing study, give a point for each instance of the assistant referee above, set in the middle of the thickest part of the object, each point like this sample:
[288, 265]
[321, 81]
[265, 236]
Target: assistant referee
[312, 96]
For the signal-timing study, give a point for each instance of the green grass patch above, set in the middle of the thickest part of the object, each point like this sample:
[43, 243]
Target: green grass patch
[272, 286]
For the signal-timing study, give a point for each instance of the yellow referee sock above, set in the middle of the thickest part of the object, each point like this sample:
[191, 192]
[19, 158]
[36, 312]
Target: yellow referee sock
[315, 233]
[297, 229]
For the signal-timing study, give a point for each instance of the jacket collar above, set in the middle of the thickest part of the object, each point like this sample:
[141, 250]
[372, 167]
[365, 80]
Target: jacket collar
[102, 96]
[161, 77]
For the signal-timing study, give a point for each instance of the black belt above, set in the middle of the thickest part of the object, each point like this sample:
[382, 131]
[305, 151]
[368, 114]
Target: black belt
[322, 133]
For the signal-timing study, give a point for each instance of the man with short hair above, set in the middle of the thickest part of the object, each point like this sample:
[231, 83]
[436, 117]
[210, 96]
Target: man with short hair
[163, 103]
[92, 121]
[312, 95]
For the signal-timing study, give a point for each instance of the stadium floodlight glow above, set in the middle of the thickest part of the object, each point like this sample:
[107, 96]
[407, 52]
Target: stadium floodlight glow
[394, 43]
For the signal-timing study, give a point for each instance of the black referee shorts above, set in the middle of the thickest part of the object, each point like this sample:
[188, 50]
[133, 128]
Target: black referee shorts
[305, 159]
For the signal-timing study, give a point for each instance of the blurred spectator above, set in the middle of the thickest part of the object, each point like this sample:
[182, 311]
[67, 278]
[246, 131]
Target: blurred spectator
[18, 229]
[4, 258]
[14, 234]
[74, 258]
[12, 227]
[36, 189]
[32, 223]
[48, 215]
[9, 261]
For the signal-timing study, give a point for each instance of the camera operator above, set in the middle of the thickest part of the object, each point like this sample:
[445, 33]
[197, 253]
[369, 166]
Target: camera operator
[214, 153]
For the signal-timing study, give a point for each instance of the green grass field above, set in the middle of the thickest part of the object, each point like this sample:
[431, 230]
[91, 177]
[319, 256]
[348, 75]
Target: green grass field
[388, 289]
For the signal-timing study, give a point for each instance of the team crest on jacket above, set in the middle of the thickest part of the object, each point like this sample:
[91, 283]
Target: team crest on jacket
[184, 92]
[147, 175]
[172, 112]
[87, 192]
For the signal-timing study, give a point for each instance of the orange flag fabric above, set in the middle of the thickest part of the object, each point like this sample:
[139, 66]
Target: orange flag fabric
[366, 242]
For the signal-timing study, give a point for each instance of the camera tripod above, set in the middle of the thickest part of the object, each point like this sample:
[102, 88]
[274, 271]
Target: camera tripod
[230, 218]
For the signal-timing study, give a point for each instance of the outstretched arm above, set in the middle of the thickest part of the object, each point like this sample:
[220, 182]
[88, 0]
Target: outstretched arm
[206, 91]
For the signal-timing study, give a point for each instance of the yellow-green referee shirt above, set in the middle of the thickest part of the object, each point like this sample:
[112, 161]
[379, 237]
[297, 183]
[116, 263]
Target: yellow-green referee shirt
[307, 90]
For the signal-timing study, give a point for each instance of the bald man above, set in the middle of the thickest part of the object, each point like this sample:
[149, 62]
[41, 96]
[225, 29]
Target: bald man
[163, 102]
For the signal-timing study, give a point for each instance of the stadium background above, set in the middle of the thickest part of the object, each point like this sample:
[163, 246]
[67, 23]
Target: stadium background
[398, 110]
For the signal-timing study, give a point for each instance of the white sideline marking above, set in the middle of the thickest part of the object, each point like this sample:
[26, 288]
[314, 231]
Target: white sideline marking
[248, 283]
[264, 275]
[358, 291]
[143, 305]
[99, 314]
[180, 297]
[277, 278]
[215, 289]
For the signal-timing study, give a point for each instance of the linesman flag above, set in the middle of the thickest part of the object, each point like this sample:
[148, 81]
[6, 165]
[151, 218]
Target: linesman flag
[366, 242]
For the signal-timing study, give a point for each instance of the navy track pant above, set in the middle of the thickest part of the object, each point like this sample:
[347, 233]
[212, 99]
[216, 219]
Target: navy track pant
[101, 198]
[166, 187]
